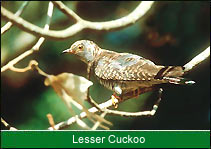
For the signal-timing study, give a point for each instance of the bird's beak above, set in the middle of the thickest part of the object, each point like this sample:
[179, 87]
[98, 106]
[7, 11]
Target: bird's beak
[71, 50]
[67, 51]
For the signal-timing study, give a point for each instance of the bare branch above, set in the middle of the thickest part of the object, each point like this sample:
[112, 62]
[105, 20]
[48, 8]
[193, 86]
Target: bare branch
[81, 123]
[10, 65]
[81, 24]
[132, 114]
[46, 28]
[16, 60]
[34, 65]
[141, 113]
[97, 124]
[7, 26]
[51, 120]
[196, 60]
[7, 125]
[66, 10]
[82, 115]
[20, 69]
[104, 107]
[140, 10]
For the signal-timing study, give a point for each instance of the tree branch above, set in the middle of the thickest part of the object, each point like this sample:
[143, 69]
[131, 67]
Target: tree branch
[10, 65]
[7, 26]
[131, 18]
[81, 24]
[97, 124]
[68, 12]
[50, 120]
[82, 115]
[197, 60]
[7, 125]
[104, 107]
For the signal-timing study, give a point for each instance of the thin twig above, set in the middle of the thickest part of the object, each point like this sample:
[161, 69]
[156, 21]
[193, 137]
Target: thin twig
[105, 106]
[131, 18]
[196, 60]
[16, 60]
[81, 24]
[71, 14]
[81, 123]
[97, 124]
[46, 28]
[82, 115]
[20, 69]
[7, 26]
[7, 125]
[10, 65]
[141, 113]
[131, 114]
[51, 120]
[40, 71]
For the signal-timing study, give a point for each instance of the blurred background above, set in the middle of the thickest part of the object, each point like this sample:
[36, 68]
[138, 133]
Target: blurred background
[171, 33]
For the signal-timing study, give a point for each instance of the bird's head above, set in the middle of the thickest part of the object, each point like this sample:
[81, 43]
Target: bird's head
[86, 50]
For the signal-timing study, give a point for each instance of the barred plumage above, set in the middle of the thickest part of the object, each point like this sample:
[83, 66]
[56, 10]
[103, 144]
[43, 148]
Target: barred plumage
[125, 72]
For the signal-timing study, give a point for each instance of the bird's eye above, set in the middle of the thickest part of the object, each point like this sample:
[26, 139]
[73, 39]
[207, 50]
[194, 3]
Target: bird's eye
[80, 47]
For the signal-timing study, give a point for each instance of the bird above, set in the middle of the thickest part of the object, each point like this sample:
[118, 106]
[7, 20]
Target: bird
[125, 74]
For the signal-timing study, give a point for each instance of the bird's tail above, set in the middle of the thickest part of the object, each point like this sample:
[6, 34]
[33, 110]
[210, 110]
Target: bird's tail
[173, 75]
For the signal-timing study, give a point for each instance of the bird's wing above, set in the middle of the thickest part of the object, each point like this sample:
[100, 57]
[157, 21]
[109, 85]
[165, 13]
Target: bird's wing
[125, 67]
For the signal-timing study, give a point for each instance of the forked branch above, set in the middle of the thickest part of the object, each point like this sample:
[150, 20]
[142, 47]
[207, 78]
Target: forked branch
[80, 24]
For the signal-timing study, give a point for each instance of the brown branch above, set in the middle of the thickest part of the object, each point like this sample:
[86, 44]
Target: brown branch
[10, 65]
[81, 24]
[50, 120]
[7, 26]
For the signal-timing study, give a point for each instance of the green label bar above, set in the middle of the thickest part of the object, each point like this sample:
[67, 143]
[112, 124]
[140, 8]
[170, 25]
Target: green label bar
[109, 139]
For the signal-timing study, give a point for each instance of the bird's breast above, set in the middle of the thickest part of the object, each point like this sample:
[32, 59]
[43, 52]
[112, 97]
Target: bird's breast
[125, 86]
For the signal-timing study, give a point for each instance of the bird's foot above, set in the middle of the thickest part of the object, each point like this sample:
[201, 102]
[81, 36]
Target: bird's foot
[113, 97]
